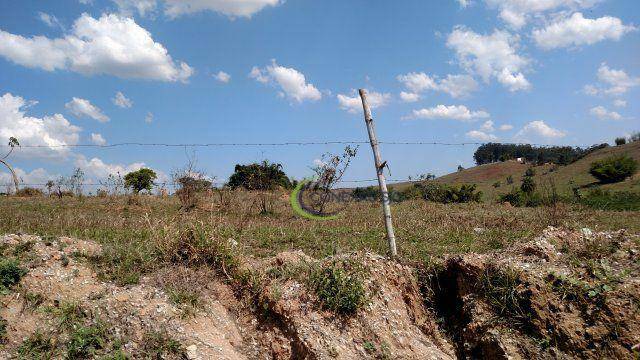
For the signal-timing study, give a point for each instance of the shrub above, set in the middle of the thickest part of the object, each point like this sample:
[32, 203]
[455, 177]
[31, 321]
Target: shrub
[616, 201]
[10, 274]
[528, 186]
[339, 286]
[140, 180]
[509, 180]
[366, 193]
[621, 141]
[613, 169]
[191, 188]
[29, 192]
[497, 184]
[447, 194]
[519, 198]
[262, 176]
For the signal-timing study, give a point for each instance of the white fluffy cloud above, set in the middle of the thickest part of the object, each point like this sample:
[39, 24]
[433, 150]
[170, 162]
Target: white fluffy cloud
[490, 56]
[292, 83]
[577, 30]
[463, 3]
[98, 139]
[122, 101]
[230, 8]
[222, 76]
[603, 114]
[620, 103]
[409, 96]
[97, 168]
[148, 118]
[517, 13]
[505, 127]
[454, 85]
[112, 45]
[48, 132]
[452, 112]
[82, 107]
[481, 135]
[539, 130]
[612, 82]
[487, 126]
[353, 104]
[33, 178]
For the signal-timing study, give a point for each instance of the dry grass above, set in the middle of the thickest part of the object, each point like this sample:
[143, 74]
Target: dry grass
[140, 236]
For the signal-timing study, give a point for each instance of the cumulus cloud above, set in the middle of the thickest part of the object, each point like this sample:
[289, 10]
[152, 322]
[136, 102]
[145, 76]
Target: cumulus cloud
[490, 56]
[129, 7]
[293, 84]
[148, 118]
[539, 130]
[620, 103]
[353, 104]
[98, 139]
[481, 135]
[122, 101]
[516, 13]
[603, 114]
[230, 8]
[33, 178]
[82, 107]
[464, 3]
[409, 96]
[454, 85]
[97, 168]
[452, 112]
[111, 45]
[612, 82]
[222, 76]
[487, 126]
[48, 132]
[577, 30]
[505, 127]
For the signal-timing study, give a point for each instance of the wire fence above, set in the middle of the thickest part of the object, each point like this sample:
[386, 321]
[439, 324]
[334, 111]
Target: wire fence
[262, 144]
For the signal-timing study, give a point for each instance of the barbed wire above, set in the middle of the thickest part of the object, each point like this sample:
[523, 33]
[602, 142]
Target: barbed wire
[289, 143]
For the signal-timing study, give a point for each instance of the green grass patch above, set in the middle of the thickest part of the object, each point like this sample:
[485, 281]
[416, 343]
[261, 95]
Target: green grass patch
[339, 286]
[10, 274]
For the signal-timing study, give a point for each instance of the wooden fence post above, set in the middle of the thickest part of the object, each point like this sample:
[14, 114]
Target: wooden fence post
[380, 165]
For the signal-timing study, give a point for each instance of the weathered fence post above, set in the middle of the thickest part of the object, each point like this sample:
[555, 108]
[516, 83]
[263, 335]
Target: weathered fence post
[380, 165]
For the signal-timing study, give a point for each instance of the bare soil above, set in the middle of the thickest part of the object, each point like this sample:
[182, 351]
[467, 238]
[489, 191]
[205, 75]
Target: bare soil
[568, 294]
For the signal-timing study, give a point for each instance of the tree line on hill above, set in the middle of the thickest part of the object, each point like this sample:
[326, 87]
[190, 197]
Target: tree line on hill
[561, 155]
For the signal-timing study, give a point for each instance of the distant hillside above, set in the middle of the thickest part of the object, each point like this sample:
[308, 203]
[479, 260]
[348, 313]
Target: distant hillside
[484, 176]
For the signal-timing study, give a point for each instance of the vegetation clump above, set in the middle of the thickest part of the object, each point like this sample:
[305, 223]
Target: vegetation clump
[608, 200]
[10, 274]
[339, 286]
[613, 169]
[503, 290]
[140, 180]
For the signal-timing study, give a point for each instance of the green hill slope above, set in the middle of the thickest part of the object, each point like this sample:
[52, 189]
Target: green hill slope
[562, 177]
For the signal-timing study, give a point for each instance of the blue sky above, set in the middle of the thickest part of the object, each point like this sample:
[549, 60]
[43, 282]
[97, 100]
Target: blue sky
[540, 71]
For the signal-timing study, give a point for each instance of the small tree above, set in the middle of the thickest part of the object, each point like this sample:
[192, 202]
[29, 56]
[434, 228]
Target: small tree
[263, 177]
[13, 142]
[621, 141]
[329, 172]
[140, 180]
[613, 169]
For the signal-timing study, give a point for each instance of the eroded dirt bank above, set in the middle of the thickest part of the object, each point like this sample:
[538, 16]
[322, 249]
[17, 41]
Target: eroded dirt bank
[568, 294]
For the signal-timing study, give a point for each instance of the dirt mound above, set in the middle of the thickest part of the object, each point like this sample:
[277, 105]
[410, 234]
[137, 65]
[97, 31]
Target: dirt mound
[567, 294]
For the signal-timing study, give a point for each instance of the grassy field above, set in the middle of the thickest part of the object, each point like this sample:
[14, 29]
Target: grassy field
[562, 177]
[141, 233]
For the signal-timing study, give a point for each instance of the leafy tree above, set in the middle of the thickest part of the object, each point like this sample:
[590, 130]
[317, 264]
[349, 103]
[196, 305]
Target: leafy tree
[621, 141]
[613, 169]
[563, 155]
[259, 176]
[140, 180]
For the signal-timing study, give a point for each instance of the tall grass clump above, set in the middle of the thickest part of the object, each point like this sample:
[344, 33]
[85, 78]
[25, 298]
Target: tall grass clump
[339, 286]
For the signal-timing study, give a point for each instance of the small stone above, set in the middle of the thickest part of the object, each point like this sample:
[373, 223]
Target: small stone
[192, 351]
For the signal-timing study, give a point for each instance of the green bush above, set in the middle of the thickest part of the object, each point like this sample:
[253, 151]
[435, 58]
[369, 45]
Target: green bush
[616, 201]
[613, 169]
[339, 286]
[621, 141]
[140, 180]
[447, 194]
[519, 198]
[10, 274]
